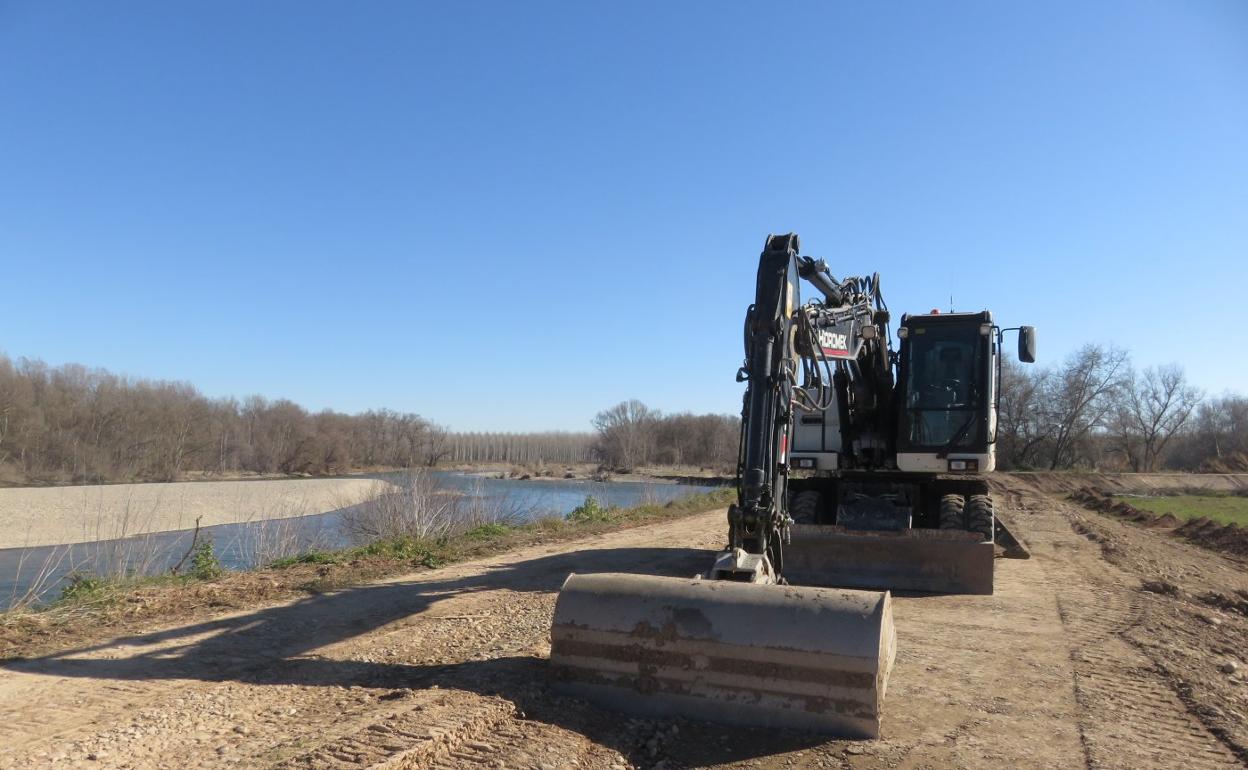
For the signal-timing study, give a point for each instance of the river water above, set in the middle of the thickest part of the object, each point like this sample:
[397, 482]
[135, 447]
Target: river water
[44, 570]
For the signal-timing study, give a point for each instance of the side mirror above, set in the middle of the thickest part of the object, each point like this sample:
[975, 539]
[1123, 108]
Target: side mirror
[1027, 344]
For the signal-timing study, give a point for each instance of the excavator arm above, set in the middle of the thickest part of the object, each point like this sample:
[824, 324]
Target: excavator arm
[759, 518]
[846, 333]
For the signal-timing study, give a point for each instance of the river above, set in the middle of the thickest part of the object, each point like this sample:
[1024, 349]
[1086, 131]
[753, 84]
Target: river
[43, 570]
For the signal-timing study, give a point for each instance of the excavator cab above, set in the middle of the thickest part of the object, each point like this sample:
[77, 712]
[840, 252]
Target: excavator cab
[947, 382]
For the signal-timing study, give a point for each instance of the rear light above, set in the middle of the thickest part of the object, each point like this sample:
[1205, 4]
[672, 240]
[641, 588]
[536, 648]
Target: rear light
[964, 465]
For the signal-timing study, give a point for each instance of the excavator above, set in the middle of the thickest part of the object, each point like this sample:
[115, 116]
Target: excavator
[862, 470]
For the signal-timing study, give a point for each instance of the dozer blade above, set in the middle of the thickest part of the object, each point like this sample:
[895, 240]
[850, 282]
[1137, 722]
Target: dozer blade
[939, 561]
[759, 655]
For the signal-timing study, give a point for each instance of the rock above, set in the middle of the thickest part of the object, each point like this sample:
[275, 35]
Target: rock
[1164, 587]
[1229, 667]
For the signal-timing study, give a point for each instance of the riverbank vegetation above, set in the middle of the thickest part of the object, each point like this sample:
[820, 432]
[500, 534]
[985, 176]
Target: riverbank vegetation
[94, 607]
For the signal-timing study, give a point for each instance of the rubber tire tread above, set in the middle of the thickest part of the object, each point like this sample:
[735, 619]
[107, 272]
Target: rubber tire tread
[980, 516]
[952, 515]
[805, 507]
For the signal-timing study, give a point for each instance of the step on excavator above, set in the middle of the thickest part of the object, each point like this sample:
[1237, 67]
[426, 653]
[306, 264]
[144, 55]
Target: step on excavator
[861, 470]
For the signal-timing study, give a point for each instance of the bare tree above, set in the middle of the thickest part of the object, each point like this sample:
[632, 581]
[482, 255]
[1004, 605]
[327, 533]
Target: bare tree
[1155, 406]
[626, 434]
[1079, 397]
[436, 445]
[1022, 429]
[1216, 439]
[632, 434]
[521, 448]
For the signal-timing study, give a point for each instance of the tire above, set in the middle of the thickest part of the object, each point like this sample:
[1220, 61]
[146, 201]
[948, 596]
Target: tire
[951, 512]
[805, 507]
[979, 516]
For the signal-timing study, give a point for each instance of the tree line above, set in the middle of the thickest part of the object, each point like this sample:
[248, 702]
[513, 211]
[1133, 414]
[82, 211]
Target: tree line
[70, 423]
[631, 434]
[1095, 410]
[73, 424]
[529, 449]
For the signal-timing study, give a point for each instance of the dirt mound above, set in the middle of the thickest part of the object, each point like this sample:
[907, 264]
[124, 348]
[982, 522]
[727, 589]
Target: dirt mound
[1202, 531]
[1197, 526]
[1233, 463]
[1100, 501]
[1067, 482]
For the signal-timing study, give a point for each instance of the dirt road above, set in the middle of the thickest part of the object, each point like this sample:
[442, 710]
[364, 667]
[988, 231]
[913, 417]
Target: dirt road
[1069, 664]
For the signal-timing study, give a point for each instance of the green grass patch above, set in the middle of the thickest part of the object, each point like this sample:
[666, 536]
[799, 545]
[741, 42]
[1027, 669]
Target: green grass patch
[1225, 509]
[487, 532]
[418, 553]
[311, 557]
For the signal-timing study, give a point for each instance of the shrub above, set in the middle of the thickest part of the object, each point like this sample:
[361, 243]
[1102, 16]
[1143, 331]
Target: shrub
[418, 552]
[83, 588]
[204, 562]
[589, 511]
[487, 531]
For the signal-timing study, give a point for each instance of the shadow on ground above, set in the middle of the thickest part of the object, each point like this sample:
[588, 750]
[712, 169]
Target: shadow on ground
[265, 647]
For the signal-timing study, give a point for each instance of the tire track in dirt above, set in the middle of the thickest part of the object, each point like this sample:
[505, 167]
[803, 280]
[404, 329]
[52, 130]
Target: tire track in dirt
[439, 727]
[1129, 715]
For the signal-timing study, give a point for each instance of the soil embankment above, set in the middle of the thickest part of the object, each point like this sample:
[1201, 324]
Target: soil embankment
[1066, 482]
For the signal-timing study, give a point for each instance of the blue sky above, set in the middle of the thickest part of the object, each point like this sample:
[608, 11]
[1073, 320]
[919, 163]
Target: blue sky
[511, 215]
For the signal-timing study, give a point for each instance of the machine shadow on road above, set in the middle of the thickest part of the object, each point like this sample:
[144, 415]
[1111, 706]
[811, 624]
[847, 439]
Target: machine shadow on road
[277, 646]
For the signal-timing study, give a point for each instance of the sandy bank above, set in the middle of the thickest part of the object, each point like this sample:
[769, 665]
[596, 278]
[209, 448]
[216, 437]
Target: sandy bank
[1060, 482]
[55, 515]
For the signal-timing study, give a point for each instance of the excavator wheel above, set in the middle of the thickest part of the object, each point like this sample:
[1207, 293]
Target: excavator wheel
[951, 512]
[805, 507]
[979, 515]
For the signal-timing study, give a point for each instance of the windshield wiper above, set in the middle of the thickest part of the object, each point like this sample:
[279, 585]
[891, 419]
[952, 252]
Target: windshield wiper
[966, 426]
